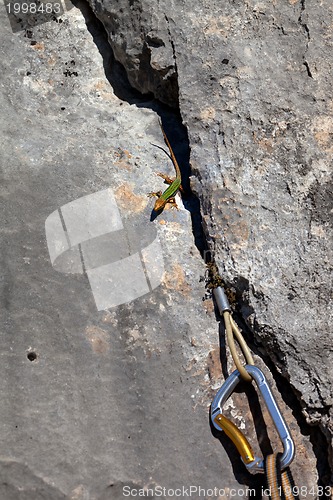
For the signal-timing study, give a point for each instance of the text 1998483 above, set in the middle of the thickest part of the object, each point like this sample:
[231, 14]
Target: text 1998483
[28, 14]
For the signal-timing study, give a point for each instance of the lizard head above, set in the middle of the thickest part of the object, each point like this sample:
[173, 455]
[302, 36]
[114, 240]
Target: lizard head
[159, 205]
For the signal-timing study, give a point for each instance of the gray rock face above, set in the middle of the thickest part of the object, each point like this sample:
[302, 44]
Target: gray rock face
[95, 401]
[255, 94]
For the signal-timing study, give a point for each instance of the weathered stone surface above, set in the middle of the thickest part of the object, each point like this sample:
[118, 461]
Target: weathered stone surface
[97, 400]
[92, 400]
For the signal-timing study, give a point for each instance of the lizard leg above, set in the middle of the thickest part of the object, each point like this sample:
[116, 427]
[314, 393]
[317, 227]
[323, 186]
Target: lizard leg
[166, 178]
[169, 180]
[153, 195]
[173, 203]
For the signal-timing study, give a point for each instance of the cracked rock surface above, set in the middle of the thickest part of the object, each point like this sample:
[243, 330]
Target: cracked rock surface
[98, 400]
[255, 92]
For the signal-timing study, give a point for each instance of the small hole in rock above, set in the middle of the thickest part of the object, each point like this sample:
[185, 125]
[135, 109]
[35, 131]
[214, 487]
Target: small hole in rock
[32, 356]
[225, 61]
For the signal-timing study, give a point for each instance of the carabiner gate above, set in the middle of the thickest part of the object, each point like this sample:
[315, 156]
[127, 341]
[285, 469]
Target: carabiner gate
[221, 422]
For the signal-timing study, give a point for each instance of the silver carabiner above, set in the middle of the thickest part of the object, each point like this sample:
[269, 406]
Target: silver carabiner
[221, 422]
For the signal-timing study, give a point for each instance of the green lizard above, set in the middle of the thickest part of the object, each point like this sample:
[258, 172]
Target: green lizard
[168, 196]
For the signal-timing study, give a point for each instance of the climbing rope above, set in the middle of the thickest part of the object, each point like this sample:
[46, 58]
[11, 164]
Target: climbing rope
[280, 483]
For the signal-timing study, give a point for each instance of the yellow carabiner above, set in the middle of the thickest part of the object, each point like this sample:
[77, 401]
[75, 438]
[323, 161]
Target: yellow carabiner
[237, 437]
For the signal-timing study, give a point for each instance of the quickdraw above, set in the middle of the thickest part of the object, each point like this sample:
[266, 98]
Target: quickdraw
[221, 422]
[275, 466]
